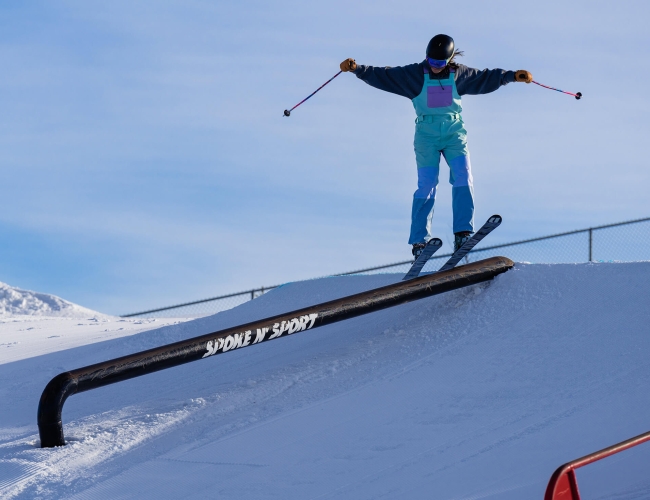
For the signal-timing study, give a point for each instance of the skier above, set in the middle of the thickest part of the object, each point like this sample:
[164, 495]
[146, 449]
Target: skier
[435, 86]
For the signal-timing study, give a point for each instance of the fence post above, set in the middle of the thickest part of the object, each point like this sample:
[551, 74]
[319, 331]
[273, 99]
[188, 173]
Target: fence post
[591, 240]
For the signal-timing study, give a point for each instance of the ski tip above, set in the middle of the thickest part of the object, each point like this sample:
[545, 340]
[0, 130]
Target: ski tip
[495, 219]
[436, 242]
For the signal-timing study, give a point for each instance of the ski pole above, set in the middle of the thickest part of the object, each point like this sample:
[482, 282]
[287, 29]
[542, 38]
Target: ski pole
[577, 96]
[287, 112]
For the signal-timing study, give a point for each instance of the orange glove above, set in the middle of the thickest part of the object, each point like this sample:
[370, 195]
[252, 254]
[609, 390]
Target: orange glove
[348, 65]
[521, 75]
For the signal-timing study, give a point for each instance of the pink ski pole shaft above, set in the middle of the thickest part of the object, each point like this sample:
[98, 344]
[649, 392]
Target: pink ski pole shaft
[577, 96]
[287, 112]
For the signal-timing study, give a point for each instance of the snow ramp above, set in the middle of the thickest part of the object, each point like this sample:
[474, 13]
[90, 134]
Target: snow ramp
[478, 393]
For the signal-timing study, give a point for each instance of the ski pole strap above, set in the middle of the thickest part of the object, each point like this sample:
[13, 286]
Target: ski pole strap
[577, 96]
[286, 113]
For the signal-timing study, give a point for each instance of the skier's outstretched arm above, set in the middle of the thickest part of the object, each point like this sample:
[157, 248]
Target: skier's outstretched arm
[474, 81]
[406, 81]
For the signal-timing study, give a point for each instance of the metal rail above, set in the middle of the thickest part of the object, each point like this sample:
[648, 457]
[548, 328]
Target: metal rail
[563, 484]
[50, 426]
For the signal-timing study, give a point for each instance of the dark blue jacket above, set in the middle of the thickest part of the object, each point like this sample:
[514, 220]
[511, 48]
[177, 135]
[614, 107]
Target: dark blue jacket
[408, 80]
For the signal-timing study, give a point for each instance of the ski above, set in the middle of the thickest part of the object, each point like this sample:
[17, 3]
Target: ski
[432, 247]
[491, 224]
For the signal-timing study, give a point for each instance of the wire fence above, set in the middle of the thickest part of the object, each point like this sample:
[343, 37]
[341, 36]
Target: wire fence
[624, 241]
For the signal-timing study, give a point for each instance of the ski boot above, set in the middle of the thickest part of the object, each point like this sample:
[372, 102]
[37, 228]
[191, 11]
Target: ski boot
[417, 249]
[460, 238]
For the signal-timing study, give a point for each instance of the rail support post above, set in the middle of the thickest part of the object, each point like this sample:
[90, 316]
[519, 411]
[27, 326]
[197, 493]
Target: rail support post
[50, 425]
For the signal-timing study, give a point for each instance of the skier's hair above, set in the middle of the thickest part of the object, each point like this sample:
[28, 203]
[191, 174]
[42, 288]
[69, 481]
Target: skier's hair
[452, 62]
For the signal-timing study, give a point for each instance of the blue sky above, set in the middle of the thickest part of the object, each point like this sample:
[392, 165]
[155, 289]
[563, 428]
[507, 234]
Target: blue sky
[145, 160]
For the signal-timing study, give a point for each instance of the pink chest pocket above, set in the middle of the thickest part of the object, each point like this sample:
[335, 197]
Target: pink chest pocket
[439, 97]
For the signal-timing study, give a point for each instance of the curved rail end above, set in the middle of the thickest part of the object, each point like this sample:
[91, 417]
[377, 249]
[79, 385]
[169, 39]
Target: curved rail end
[50, 426]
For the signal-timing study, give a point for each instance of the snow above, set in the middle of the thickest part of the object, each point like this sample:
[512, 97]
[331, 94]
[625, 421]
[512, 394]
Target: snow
[475, 394]
[18, 302]
[32, 324]
[26, 337]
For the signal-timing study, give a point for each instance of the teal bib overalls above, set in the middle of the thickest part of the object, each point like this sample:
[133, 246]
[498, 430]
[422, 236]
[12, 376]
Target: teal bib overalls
[439, 129]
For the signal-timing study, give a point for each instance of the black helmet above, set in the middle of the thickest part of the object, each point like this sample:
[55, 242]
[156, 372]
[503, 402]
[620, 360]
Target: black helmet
[441, 47]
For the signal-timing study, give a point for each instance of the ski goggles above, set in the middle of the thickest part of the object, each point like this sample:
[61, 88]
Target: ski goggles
[437, 63]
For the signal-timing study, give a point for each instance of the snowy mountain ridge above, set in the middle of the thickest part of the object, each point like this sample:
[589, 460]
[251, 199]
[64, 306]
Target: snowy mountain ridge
[18, 302]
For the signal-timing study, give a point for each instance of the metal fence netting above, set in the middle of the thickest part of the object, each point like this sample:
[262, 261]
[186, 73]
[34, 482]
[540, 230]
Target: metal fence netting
[622, 242]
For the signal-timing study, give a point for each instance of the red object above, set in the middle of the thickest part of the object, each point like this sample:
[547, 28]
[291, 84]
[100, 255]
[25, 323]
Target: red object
[563, 484]
[577, 96]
